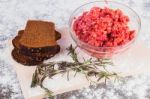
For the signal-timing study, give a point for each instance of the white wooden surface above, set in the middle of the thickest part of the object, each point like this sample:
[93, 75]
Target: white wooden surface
[132, 62]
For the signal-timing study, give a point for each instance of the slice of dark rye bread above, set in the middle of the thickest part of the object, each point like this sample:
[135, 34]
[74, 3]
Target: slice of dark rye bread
[25, 60]
[38, 35]
[32, 58]
[43, 53]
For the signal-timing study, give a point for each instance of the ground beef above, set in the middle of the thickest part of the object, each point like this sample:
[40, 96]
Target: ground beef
[103, 27]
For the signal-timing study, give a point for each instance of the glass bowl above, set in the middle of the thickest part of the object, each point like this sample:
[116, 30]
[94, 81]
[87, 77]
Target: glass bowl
[105, 52]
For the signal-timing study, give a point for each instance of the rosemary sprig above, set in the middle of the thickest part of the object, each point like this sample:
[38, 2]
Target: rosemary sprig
[90, 67]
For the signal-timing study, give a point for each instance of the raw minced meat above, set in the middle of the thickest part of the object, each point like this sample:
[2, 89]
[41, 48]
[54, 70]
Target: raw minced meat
[103, 27]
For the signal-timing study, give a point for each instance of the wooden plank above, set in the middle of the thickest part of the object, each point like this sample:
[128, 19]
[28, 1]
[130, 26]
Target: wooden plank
[135, 61]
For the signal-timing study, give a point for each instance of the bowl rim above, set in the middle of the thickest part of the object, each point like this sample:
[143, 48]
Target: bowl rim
[91, 46]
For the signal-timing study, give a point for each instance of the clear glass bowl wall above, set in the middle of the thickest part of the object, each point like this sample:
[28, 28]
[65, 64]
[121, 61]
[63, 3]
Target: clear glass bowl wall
[105, 52]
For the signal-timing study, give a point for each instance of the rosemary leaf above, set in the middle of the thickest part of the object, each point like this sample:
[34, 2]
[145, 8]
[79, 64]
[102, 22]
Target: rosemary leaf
[48, 92]
[68, 75]
[35, 79]
[75, 73]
